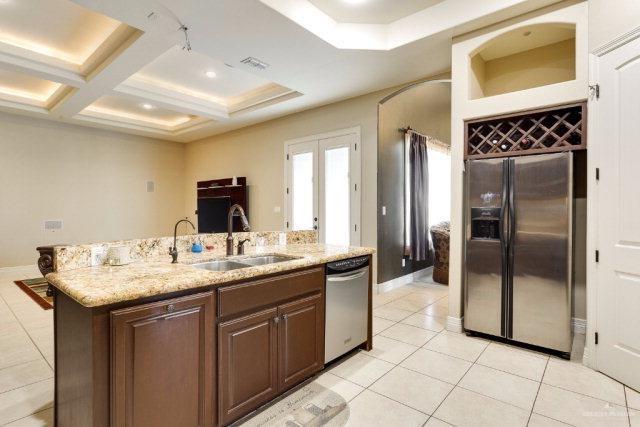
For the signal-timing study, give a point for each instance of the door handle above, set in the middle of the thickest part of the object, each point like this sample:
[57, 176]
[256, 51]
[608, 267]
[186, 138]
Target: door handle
[346, 278]
[285, 317]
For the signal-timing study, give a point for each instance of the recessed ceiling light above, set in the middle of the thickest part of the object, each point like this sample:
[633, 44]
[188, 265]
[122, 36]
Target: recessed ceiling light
[147, 106]
[211, 74]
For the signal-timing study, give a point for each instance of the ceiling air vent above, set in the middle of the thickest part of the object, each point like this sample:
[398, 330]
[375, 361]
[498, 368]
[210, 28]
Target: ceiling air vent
[255, 63]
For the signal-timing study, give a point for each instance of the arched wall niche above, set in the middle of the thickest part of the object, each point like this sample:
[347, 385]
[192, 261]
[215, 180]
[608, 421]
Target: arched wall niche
[523, 58]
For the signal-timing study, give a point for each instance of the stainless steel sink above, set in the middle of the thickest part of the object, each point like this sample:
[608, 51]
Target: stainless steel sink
[266, 259]
[227, 264]
[222, 265]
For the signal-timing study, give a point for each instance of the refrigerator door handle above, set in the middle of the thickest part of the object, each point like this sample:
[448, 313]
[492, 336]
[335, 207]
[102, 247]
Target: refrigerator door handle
[504, 236]
[511, 246]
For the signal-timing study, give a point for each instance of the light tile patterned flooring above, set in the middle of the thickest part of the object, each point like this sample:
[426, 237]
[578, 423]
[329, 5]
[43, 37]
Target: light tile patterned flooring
[26, 355]
[417, 373]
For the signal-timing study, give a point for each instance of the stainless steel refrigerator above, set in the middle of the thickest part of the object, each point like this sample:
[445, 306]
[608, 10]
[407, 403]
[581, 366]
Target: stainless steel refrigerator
[519, 249]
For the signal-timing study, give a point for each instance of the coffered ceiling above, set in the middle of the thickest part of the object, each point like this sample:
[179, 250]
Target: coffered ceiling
[124, 65]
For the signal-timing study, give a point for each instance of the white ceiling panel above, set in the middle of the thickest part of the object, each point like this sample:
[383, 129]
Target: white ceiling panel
[371, 11]
[130, 109]
[55, 28]
[184, 72]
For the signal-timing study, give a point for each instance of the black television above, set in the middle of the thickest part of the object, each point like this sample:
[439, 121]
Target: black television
[212, 214]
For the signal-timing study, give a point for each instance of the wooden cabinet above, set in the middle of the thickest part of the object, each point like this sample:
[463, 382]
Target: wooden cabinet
[300, 340]
[162, 357]
[264, 353]
[248, 363]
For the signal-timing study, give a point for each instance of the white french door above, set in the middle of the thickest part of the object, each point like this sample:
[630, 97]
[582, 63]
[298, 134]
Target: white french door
[617, 129]
[322, 186]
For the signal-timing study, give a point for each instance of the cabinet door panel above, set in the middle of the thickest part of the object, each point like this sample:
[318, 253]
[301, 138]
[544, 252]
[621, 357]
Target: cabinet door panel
[301, 340]
[248, 363]
[163, 363]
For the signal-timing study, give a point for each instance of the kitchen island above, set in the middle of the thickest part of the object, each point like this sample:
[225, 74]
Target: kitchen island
[155, 343]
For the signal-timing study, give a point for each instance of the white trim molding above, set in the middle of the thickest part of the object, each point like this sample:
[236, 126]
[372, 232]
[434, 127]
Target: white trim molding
[454, 324]
[617, 42]
[402, 280]
[579, 326]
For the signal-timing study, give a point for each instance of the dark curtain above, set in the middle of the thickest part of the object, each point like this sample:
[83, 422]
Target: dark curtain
[420, 247]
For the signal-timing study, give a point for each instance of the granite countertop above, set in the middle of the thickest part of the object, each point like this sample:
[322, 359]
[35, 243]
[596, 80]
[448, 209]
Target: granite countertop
[104, 285]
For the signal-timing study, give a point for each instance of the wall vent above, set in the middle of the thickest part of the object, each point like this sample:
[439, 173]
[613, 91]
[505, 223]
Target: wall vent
[255, 63]
[53, 225]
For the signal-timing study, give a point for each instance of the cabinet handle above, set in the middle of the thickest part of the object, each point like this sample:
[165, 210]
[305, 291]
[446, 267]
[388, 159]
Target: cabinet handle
[285, 317]
[276, 320]
[170, 308]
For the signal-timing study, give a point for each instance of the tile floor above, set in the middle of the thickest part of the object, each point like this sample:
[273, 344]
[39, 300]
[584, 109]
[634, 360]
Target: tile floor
[417, 374]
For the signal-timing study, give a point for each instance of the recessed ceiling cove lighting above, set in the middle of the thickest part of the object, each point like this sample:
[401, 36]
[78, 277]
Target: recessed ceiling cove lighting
[211, 74]
[147, 106]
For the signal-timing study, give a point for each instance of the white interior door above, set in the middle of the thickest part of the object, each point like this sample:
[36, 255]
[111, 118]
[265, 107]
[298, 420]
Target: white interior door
[339, 195]
[302, 188]
[322, 188]
[618, 236]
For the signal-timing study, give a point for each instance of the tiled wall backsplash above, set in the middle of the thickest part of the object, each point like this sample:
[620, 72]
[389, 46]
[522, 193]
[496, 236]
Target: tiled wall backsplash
[79, 256]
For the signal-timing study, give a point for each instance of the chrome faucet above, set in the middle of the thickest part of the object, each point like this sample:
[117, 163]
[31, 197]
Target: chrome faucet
[245, 226]
[174, 250]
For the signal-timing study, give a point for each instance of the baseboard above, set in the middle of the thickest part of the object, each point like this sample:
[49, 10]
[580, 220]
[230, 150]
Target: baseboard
[454, 324]
[401, 281]
[579, 326]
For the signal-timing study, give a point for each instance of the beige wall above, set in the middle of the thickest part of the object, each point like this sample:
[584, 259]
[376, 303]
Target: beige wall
[93, 180]
[536, 67]
[609, 19]
[464, 107]
[257, 152]
[425, 107]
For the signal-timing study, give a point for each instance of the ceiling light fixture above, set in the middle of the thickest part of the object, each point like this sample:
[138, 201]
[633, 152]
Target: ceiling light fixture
[147, 106]
[211, 74]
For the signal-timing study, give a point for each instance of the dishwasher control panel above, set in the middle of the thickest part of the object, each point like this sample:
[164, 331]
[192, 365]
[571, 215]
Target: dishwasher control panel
[346, 265]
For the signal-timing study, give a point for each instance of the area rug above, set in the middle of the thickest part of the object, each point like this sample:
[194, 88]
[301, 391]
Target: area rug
[311, 406]
[37, 290]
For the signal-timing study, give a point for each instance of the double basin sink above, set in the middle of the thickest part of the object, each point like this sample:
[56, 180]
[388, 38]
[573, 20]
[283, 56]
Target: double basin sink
[227, 264]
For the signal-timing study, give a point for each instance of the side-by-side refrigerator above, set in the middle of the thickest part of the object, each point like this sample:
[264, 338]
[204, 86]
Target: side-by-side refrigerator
[518, 249]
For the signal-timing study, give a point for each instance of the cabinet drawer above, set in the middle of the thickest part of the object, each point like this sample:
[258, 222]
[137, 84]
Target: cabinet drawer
[259, 293]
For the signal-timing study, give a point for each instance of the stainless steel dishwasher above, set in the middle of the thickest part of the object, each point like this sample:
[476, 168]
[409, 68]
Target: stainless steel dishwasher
[347, 296]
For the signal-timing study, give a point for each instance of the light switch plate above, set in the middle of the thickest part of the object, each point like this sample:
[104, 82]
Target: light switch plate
[384, 210]
[403, 262]
[98, 255]
[276, 209]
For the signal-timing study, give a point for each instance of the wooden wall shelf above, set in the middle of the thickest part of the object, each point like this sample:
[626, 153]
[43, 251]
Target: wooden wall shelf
[544, 130]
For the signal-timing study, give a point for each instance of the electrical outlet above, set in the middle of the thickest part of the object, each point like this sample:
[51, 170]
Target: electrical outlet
[276, 209]
[403, 262]
[98, 255]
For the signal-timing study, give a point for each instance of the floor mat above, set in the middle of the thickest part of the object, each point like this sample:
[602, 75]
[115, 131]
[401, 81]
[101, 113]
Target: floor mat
[37, 290]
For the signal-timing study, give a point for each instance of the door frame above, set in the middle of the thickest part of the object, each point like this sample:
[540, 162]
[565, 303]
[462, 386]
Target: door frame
[594, 148]
[356, 174]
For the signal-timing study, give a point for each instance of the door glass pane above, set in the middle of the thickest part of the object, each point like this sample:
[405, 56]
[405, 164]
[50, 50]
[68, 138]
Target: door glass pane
[302, 191]
[336, 194]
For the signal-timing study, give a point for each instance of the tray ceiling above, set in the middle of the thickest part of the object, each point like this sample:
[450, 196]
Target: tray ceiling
[122, 65]
[371, 11]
